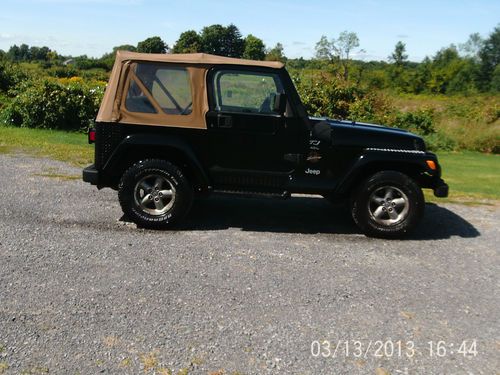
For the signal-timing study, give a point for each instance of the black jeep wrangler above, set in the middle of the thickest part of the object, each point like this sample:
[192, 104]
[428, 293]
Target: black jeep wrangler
[173, 126]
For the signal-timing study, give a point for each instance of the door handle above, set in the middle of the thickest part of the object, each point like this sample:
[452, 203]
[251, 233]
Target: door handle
[224, 121]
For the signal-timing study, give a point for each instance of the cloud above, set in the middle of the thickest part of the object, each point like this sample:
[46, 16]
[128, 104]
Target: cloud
[402, 36]
[297, 43]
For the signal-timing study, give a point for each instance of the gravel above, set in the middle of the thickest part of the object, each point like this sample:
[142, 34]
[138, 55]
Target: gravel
[245, 286]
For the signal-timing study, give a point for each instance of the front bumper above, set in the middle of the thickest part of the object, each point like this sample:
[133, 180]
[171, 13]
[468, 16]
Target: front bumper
[91, 175]
[441, 189]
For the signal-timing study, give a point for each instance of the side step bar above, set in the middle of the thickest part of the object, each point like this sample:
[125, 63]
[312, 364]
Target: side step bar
[255, 194]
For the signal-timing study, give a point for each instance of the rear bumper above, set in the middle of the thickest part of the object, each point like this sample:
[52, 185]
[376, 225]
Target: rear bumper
[440, 189]
[91, 175]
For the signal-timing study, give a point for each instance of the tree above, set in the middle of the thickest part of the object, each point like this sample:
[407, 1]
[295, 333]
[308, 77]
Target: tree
[188, 42]
[222, 41]
[495, 80]
[254, 48]
[39, 53]
[490, 58]
[399, 57]
[397, 75]
[449, 72]
[152, 45]
[24, 52]
[421, 76]
[125, 47]
[235, 42]
[473, 46]
[276, 53]
[14, 53]
[108, 59]
[338, 50]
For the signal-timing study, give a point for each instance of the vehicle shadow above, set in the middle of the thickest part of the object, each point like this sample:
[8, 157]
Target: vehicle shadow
[309, 216]
[441, 223]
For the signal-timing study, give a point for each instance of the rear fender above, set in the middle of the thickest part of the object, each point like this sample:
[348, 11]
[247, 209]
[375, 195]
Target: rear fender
[136, 147]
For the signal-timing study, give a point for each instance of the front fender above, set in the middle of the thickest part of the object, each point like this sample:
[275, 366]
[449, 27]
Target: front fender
[411, 162]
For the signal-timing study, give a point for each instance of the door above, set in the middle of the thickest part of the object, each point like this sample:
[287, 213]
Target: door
[248, 137]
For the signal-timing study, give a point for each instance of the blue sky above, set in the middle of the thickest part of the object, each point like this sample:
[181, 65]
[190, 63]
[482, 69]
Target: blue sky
[93, 27]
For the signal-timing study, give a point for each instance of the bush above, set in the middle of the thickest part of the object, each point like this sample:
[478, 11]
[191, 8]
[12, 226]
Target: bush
[68, 104]
[439, 141]
[373, 107]
[10, 75]
[67, 71]
[324, 96]
[420, 121]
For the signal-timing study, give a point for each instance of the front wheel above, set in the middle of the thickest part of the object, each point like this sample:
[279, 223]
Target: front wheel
[388, 204]
[155, 194]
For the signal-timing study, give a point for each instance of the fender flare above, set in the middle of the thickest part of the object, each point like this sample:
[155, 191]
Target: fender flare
[414, 161]
[158, 144]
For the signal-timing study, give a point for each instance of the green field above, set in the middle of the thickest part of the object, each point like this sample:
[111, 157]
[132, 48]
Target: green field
[60, 145]
[472, 176]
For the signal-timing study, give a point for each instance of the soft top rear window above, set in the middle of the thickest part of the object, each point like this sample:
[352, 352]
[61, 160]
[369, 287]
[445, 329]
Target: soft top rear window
[168, 86]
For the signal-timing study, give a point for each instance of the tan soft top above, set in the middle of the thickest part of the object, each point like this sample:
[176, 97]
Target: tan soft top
[112, 110]
[193, 58]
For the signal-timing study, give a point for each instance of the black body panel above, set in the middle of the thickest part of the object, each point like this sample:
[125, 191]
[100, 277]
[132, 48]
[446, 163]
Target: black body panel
[266, 153]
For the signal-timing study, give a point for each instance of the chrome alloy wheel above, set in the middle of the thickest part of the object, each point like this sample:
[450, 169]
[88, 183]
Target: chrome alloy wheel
[154, 194]
[388, 205]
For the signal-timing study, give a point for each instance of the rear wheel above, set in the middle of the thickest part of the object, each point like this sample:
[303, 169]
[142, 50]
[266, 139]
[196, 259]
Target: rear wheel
[155, 194]
[388, 204]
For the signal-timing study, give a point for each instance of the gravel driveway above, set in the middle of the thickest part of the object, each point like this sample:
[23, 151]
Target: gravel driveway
[247, 286]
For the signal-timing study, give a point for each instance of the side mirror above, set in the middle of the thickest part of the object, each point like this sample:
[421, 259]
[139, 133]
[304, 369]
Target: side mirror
[279, 104]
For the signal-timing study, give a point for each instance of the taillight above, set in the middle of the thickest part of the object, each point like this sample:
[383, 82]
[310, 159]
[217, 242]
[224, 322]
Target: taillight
[91, 135]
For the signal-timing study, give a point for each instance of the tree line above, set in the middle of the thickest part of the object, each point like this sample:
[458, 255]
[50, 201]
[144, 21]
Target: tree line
[472, 66]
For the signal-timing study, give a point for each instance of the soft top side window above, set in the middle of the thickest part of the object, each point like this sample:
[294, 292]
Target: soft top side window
[245, 91]
[170, 87]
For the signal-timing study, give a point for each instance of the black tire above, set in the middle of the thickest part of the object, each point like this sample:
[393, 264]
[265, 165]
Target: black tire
[155, 194]
[389, 204]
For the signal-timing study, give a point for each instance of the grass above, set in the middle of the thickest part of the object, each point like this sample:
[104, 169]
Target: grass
[472, 176]
[469, 123]
[70, 147]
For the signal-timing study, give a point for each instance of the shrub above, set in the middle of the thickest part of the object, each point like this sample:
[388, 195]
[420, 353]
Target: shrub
[420, 121]
[68, 104]
[324, 96]
[63, 71]
[10, 75]
[373, 107]
[439, 141]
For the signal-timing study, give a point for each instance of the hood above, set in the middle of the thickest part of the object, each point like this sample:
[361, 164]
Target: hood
[364, 135]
